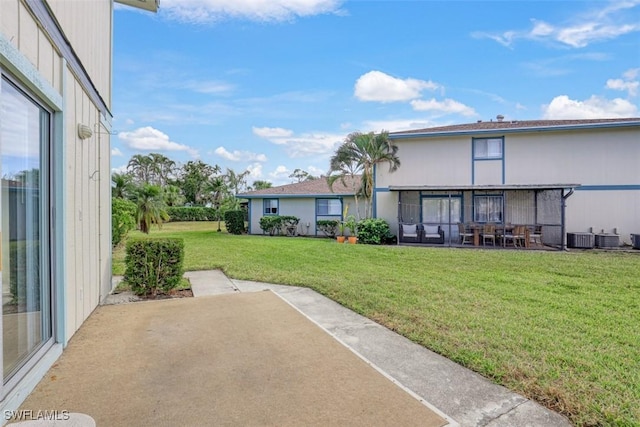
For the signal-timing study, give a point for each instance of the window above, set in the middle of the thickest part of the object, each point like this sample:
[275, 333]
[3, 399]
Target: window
[24, 236]
[487, 209]
[270, 206]
[487, 148]
[329, 207]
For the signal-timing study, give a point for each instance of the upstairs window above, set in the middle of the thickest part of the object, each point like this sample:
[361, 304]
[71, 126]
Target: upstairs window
[328, 207]
[270, 206]
[487, 148]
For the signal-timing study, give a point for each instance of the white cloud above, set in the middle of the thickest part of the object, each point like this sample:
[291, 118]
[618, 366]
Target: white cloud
[209, 11]
[627, 83]
[267, 132]
[255, 170]
[237, 155]
[397, 125]
[446, 106]
[119, 169]
[381, 87]
[619, 84]
[280, 174]
[150, 139]
[315, 171]
[597, 25]
[562, 107]
[116, 152]
[209, 86]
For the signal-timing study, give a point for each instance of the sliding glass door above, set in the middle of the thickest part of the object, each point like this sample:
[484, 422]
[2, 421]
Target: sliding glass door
[24, 229]
[445, 212]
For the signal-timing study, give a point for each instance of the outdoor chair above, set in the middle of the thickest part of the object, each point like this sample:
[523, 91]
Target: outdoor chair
[409, 233]
[466, 235]
[488, 233]
[535, 236]
[433, 234]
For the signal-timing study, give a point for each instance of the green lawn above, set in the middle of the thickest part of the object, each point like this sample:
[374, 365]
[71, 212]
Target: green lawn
[562, 328]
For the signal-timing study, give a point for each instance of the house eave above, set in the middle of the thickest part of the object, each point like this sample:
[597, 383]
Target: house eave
[507, 130]
[295, 196]
[502, 187]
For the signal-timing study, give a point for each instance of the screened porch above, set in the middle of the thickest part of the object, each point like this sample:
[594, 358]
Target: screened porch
[497, 216]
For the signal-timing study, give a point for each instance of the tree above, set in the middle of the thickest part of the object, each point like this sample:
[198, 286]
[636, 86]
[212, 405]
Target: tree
[139, 167]
[122, 185]
[362, 153]
[261, 185]
[194, 178]
[161, 169]
[300, 175]
[172, 195]
[344, 164]
[150, 207]
[236, 182]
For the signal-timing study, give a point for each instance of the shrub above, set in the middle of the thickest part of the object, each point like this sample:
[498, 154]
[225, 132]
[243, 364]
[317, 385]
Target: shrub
[195, 213]
[374, 231]
[154, 265]
[123, 219]
[271, 224]
[328, 226]
[234, 221]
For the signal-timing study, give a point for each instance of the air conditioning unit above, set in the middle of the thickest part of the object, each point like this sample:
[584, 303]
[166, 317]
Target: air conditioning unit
[635, 241]
[607, 240]
[580, 240]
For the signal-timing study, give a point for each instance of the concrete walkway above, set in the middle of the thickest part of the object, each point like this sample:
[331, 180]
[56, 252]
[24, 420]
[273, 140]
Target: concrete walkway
[460, 395]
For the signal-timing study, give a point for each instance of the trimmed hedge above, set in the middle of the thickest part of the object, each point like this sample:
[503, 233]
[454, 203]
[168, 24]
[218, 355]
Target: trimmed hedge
[193, 213]
[276, 224]
[154, 266]
[234, 221]
[374, 231]
[123, 219]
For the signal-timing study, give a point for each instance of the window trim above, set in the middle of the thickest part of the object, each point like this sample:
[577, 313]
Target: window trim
[318, 213]
[264, 206]
[475, 141]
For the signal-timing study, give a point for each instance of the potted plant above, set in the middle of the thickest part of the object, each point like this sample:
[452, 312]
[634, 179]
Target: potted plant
[340, 237]
[350, 223]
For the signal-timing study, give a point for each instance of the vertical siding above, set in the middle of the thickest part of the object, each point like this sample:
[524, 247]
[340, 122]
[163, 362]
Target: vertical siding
[9, 20]
[79, 19]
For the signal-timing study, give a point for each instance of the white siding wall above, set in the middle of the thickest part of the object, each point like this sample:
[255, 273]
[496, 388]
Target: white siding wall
[87, 162]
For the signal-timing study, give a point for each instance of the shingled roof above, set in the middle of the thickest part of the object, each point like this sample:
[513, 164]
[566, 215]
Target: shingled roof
[312, 188]
[515, 125]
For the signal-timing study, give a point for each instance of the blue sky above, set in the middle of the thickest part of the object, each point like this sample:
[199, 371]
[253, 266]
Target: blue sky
[275, 85]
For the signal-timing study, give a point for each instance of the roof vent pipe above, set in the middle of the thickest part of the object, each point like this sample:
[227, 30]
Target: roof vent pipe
[500, 117]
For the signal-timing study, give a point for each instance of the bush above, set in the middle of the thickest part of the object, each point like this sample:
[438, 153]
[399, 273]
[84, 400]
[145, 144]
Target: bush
[234, 221]
[328, 226]
[154, 265]
[271, 224]
[123, 219]
[195, 213]
[374, 231]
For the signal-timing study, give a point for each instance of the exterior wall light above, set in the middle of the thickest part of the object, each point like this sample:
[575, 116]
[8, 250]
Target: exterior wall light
[84, 131]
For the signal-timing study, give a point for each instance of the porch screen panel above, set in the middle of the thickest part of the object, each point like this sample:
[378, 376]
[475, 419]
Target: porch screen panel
[520, 207]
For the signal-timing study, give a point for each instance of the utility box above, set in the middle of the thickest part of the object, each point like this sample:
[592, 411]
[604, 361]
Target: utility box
[580, 240]
[635, 241]
[607, 240]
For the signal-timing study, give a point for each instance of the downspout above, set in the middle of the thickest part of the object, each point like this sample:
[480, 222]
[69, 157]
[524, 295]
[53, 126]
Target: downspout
[563, 215]
[449, 220]
[399, 216]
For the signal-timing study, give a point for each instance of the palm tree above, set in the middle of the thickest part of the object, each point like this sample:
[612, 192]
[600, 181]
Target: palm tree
[122, 185]
[172, 195]
[161, 169]
[362, 153]
[236, 181]
[140, 167]
[345, 165]
[151, 208]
